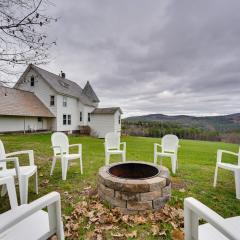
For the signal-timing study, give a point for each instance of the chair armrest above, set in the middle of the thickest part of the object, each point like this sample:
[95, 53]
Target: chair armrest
[156, 145]
[58, 147]
[16, 163]
[194, 210]
[51, 199]
[124, 145]
[29, 152]
[77, 145]
[220, 153]
[228, 152]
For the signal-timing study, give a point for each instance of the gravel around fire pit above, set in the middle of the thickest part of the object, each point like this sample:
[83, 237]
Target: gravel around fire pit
[134, 186]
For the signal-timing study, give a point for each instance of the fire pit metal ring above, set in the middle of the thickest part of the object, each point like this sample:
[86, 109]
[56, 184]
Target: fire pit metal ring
[134, 186]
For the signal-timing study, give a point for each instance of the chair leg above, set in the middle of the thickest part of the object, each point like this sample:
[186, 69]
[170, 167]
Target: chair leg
[237, 183]
[81, 165]
[174, 163]
[64, 168]
[23, 187]
[160, 160]
[36, 182]
[215, 176]
[155, 158]
[53, 165]
[4, 190]
[107, 158]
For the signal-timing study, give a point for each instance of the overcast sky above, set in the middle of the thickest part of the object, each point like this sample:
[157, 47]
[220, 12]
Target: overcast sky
[152, 56]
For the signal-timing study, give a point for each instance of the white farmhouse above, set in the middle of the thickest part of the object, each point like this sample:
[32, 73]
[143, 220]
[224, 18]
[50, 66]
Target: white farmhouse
[41, 100]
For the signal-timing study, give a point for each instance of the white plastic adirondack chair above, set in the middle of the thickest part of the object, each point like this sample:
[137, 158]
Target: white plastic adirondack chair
[217, 227]
[228, 166]
[169, 148]
[60, 145]
[112, 145]
[25, 172]
[29, 221]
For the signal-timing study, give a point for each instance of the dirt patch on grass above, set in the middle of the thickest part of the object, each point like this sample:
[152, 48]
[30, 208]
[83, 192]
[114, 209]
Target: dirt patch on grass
[178, 183]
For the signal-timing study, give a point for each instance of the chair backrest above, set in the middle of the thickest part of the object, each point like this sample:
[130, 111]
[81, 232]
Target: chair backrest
[170, 143]
[2, 155]
[61, 140]
[112, 140]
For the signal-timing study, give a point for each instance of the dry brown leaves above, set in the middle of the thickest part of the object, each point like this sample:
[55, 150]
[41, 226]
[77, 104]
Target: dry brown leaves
[98, 221]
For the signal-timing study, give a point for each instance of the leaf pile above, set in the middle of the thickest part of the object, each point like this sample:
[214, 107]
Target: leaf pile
[99, 221]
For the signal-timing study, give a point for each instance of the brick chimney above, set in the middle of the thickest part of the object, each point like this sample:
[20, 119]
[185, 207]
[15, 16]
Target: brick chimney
[63, 74]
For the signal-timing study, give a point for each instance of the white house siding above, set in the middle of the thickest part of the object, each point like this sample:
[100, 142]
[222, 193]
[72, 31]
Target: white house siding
[101, 124]
[70, 109]
[42, 90]
[117, 125]
[87, 109]
[17, 124]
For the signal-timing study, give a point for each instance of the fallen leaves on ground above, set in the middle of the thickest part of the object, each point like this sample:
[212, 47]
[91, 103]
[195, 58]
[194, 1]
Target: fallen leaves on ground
[99, 220]
[177, 235]
[44, 183]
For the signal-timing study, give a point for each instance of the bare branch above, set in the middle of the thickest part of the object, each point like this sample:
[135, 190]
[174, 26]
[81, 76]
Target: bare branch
[22, 36]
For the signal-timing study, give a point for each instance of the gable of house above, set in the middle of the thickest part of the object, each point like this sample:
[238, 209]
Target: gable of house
[60, 85]
[89, 92]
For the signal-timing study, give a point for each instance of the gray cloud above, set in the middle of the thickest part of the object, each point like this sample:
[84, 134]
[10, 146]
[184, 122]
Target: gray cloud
[173, 57]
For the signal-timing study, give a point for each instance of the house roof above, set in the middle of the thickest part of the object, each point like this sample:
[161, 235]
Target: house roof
[16, 102]
[89, 92]
[110, 110]
[60, 85]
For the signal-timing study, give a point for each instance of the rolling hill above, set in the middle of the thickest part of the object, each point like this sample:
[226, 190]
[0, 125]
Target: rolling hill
[219, 123]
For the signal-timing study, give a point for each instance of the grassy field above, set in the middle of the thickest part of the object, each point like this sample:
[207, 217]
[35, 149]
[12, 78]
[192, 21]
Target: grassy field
[195, 176]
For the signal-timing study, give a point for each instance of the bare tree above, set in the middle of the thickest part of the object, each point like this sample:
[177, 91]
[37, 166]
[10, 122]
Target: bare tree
[23, 37]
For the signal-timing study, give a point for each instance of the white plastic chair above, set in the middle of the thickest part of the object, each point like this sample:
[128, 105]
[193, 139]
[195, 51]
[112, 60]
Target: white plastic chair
[169, 148]
[228, 166]
[24, 172]
[112, 145]
[29, 221]
[60, 145]
[217, 227]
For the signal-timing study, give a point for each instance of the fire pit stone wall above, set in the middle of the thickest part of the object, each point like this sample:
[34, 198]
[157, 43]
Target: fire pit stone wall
[135, 195]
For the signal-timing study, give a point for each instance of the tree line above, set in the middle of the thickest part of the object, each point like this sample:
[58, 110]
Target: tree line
[159, 129]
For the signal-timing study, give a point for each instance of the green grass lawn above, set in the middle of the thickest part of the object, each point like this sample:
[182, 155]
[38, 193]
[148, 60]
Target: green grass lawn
[194, 178]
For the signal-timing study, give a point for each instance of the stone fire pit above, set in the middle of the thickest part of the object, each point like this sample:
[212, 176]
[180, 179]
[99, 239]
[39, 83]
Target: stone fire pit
[134, 186]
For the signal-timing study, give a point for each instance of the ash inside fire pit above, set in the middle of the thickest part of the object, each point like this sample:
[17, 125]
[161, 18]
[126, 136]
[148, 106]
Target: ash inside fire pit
[134, 171]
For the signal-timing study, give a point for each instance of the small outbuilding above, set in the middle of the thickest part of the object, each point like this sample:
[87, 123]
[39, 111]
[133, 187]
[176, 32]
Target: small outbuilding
[104, 120]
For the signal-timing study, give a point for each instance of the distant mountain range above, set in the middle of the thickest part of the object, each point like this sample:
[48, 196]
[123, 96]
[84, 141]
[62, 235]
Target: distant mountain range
[219, 123]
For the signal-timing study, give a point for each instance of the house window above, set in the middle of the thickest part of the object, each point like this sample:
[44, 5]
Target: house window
[64, 119]
[119, 119]
[80, 116]
[64, 101]
[69, 120]
[39, 119]
[32, 81]
[89, 117]
[52, 100]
